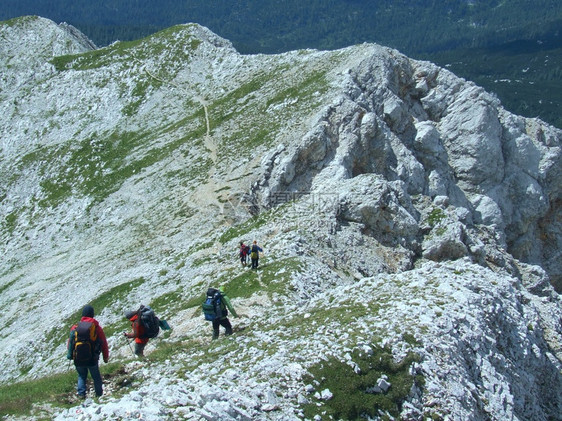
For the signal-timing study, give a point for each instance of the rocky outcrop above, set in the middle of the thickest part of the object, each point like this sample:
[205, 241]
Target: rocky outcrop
[27, 44]
[439, 138]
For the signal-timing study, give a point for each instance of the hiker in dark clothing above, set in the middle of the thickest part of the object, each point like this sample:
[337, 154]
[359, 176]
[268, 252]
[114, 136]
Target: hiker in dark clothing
[243, 253]
[255, 254]
[85, 344]
[138, 332]
[222, 318]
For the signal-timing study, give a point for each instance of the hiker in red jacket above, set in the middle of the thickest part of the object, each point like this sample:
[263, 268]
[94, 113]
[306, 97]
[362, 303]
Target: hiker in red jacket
[243, 253]
[137, 333]
[85, 344]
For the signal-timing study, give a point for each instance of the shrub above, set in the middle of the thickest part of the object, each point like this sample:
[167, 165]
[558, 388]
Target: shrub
[351, 399]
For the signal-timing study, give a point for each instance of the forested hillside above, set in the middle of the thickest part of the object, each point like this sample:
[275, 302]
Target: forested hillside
[526, 75]
[271, 26]
[419, 28]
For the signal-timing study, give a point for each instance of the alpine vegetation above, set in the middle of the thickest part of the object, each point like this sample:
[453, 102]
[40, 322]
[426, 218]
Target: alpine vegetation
[409, 229]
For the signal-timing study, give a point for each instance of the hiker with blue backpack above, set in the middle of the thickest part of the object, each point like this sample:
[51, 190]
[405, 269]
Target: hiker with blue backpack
[216, 308]
[85, 344]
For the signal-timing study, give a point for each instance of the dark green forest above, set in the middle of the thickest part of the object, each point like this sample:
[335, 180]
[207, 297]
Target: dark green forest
[510, 47]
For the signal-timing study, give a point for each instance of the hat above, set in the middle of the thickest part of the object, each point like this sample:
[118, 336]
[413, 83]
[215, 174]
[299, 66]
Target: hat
[129, 314]
[88, 311]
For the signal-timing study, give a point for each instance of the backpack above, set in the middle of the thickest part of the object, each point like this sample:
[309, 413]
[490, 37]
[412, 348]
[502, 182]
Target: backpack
[147, 318]
[255, 251]
[86, 348]
[212, 305]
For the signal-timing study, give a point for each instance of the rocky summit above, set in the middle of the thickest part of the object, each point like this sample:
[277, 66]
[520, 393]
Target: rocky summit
[410, 226]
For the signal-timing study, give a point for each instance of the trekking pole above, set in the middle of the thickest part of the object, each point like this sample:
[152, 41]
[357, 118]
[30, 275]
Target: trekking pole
[129, 343]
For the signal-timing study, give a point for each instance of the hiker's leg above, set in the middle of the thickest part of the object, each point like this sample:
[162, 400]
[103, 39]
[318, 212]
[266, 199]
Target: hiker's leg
[82, 377]
[139, 349]
[216, 324]
[96, 377]
[226, 324]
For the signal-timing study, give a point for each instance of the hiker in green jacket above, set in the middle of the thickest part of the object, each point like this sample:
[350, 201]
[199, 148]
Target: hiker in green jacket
[222, 319]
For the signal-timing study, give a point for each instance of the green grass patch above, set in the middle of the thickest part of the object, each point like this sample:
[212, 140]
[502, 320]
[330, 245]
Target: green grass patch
[11, 222]
[126, 51]
[7, 285]
[340, 314]
[276, 275]
[174, 301]
[139, 93]
[241, 286]
[410, 339]
[19, 398]
[272, 277]
[249, 102]
[169, 303]
[353, 397]
[314, 82]
[435, 216]
[57, 389]
[99, 165]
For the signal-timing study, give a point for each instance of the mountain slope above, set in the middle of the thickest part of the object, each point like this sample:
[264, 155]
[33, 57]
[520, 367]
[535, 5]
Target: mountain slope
[401, 209]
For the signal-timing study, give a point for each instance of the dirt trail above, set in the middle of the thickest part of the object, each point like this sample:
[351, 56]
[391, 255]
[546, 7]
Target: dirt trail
[207, 195]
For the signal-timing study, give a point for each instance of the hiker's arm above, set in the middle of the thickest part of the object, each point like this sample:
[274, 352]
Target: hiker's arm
[229, 306]
[70, 345]
[135, 332]
[104, 346]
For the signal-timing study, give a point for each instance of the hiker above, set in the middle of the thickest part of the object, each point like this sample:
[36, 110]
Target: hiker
[255, 254]
[244, 251]
[85, 344]
[139, 331]
[216, 308]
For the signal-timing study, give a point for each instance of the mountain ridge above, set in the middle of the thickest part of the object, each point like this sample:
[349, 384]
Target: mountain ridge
[140, 166]
[475, 38]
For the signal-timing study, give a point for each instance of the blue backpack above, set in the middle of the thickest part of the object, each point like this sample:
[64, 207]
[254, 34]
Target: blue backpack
[212, 305]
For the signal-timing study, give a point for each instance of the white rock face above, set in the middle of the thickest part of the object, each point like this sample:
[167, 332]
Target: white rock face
[392, 199]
